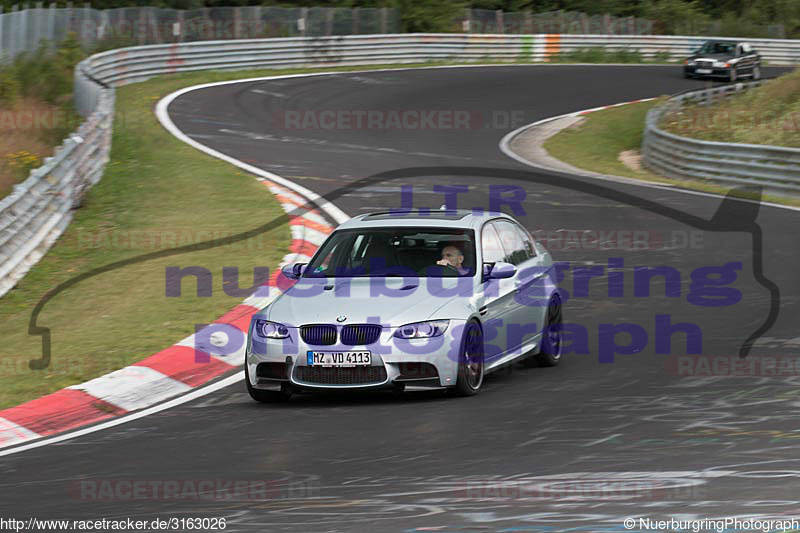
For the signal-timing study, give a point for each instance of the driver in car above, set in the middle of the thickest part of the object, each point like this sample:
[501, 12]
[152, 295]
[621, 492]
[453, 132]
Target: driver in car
[454, 258]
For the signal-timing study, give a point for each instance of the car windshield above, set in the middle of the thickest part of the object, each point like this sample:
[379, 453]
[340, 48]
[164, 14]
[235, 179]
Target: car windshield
[715, 47]
[382, 252]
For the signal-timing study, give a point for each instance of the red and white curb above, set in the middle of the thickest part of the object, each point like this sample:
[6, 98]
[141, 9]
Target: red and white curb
[170, 372]
[192, 362]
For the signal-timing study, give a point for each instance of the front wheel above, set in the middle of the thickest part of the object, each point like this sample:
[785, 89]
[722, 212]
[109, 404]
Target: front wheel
[470, 361]
[550, 349]
[733, 76]
[756, 72]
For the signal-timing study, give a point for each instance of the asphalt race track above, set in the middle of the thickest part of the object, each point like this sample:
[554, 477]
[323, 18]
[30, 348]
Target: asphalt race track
[578, 447]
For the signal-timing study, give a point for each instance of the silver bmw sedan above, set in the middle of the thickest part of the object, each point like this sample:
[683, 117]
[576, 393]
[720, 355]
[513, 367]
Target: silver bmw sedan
[407, 300]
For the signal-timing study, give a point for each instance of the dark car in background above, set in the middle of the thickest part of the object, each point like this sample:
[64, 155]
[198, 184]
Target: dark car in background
[729, 60]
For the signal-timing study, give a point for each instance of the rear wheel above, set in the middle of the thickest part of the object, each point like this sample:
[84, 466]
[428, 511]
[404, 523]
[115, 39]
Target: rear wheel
[550, 348]
[265, 396]
[470, 361]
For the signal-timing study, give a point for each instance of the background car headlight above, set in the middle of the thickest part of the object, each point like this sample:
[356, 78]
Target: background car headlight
[271, 330]
[422, 330]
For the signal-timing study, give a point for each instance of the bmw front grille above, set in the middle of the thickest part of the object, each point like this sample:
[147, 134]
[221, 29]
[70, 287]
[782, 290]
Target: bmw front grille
[360, 334]
[351, 335]
[318, 334]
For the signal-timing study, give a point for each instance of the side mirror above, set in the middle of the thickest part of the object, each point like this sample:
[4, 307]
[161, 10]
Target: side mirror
[498, 270]
[294, 271]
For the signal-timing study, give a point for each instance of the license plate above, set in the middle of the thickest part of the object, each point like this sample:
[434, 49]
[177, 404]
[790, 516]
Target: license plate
[362, 358]
[704, 71]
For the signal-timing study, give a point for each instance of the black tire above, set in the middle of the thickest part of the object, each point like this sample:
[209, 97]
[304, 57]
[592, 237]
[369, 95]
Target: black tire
[757, 72]
[733, 75]
[551, 345]
[470, 365]
[265, 396]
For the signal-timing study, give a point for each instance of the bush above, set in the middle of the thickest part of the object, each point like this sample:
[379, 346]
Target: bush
[430, 16]
[733, 26]
[624, 56]
[9, 89]
[47, 73]
[677, 17]
[596, 54]
[21, 163]
[661, 57]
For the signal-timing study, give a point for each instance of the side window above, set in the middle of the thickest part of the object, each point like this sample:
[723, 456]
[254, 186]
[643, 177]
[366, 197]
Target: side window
[526, 239]
[746, 48]
[357, 250]
[490, 245]
[513, 244]
[325, 264]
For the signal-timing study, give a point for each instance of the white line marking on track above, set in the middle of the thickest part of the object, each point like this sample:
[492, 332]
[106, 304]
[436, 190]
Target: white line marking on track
[11, 433]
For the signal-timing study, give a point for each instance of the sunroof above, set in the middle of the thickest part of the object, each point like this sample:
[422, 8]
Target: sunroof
[421, 213]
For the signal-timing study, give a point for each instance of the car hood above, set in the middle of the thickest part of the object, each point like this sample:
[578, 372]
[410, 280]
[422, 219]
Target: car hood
[389, 301]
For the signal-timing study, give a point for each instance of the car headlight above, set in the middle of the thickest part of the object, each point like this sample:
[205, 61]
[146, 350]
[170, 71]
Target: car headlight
[271, 330]
[422, 330]
[720, 64]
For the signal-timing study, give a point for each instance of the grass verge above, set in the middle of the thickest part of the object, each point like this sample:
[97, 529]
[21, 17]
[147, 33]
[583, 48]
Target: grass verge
[36, 110]
[596, 143]
[769, 114]
[156, 193]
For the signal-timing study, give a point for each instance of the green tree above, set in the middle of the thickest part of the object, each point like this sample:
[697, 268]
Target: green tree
[430, 15]
[677, 17]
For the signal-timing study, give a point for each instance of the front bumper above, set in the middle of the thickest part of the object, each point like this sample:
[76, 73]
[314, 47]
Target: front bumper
[416, 363]
[714, 72]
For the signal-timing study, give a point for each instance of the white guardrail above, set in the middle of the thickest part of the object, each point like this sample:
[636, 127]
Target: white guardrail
[775, 168]
[38, 210]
